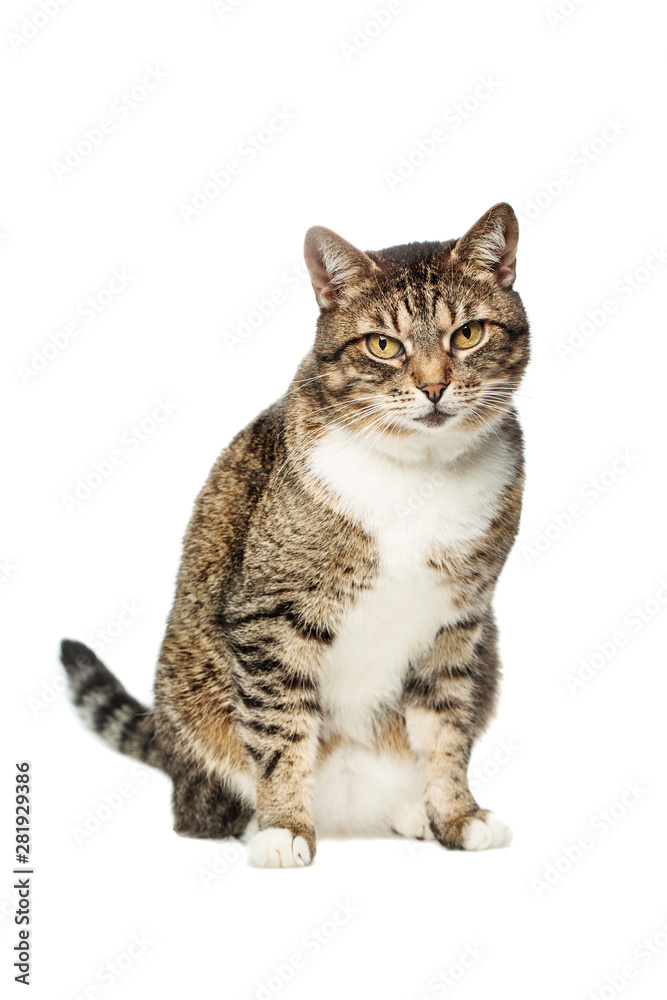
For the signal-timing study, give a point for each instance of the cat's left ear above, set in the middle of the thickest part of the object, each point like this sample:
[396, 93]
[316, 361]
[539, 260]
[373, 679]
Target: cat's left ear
[491, 244]
[334, 265]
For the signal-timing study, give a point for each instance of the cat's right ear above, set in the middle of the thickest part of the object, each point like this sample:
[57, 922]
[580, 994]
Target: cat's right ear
[334, 265]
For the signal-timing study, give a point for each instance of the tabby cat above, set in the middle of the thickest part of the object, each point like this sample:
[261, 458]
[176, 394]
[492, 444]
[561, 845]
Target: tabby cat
[331, 654]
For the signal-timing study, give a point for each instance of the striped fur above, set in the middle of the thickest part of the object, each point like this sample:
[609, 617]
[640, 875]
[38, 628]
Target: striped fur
[331, 654]
[107, 708]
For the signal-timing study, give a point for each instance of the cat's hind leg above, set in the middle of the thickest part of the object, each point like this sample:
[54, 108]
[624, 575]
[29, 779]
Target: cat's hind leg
[206, 806]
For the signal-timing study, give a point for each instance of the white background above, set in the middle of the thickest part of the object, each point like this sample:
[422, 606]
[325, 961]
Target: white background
[539, 924]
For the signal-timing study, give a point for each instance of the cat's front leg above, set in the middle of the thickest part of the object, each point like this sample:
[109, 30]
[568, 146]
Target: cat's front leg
[443, 694]
[278, 721]
[285, 837]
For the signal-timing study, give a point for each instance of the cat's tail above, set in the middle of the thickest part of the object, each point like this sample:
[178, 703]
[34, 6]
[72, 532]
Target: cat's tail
[107, 708]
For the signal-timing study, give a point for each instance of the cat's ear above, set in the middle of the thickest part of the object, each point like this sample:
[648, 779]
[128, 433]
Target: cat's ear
[491, 244]
[334, 265]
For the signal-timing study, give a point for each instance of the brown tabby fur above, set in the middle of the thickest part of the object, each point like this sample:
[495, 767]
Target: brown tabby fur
[271, 563]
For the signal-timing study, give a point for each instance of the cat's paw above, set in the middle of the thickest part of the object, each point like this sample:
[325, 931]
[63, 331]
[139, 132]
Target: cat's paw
[412, 822]
[478, 832]
[278, 848]
[484, 831]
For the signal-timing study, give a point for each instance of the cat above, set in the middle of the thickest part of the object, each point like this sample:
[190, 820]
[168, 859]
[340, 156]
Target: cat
[331, 654]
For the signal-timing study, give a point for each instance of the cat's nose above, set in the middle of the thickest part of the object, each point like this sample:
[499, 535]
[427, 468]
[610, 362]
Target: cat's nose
[434, 392]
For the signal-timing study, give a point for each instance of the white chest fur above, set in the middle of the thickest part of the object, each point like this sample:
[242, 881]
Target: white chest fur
[412, 509]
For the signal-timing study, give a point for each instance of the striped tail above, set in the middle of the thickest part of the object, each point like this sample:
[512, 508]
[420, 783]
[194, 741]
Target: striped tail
[107, 708]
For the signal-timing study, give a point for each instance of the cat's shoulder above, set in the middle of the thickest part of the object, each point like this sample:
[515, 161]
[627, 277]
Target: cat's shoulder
[258, 443]
[242, 469]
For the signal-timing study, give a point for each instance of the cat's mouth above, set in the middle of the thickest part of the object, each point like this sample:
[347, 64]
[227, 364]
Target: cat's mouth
[436, 418]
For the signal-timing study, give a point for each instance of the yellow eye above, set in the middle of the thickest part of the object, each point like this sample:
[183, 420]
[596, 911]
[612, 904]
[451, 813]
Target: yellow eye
[468, 335]
[384, 347]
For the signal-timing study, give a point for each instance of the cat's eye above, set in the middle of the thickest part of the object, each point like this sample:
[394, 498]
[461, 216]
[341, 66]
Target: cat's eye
[384, 347]
[468, 335]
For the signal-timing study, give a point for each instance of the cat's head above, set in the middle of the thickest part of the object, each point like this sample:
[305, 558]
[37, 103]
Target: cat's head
[421, 338]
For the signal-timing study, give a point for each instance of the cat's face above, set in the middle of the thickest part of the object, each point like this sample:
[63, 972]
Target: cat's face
[422, 338]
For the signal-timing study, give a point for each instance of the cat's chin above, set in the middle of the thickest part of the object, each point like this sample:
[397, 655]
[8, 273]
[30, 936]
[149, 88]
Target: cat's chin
[434, 419]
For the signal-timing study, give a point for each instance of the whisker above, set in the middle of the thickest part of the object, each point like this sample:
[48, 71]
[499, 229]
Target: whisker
[306, 381]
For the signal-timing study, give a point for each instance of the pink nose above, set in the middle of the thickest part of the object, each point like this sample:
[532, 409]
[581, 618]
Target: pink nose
[434, 392]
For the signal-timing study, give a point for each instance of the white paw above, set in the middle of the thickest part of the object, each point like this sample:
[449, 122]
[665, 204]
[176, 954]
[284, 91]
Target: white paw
[411, 821]
[277, 848]
[481, 834]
